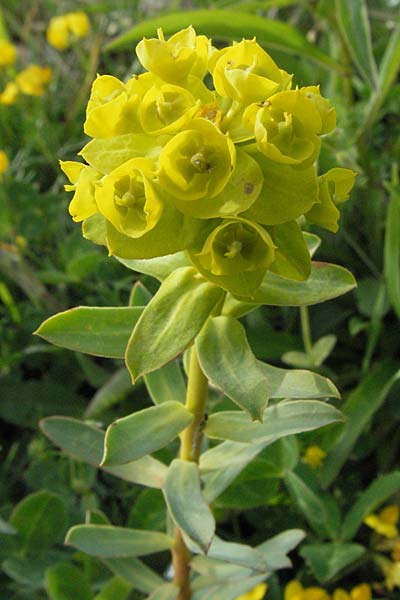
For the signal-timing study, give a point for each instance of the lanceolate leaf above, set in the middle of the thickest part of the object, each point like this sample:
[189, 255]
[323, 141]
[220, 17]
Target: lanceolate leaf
[296, 383]
[285, 418]
[320, 510]
[360, 406]
[135, 572]
[354, 24]
[228, 25]
[86, 443]
[144, 432]
[392, 245]
[186, 503]
[326, 281]
[97, 331]
[171, 321]
[238, 554]
[106, 541]
[228, 361]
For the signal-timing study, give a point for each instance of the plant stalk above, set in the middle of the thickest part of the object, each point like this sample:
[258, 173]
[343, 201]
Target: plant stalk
[306, 330]
[191, 439]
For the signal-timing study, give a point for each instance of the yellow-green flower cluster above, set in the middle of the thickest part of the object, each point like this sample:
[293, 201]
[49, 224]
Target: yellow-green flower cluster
[223, 170]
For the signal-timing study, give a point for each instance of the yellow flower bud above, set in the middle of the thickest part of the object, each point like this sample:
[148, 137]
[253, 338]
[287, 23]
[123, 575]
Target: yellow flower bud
[246, 73]
[197, 162]
[33, 80]
[127, 197]
[10, 93]
[4, 162]
[8, 53]
[173, 60]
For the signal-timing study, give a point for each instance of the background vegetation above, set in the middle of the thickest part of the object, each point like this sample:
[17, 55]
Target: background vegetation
[353, 50]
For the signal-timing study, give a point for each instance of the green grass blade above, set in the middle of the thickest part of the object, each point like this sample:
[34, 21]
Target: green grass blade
[352, 18]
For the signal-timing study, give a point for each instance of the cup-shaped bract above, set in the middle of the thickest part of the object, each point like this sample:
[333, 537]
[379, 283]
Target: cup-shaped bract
[246, 73]
[226, 173]
[197, 162]
[286, 129]
[173, 60]
[128, 199]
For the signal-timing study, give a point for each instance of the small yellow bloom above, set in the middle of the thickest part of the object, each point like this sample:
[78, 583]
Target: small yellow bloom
[57, 33]
[78, 24]
[257, 593]
[314, 456]
[4, 162]
[295, 591]
[361, 592]
[62, 29]
[9, 94]
[385, 522]
[8, 53]
[32, 81]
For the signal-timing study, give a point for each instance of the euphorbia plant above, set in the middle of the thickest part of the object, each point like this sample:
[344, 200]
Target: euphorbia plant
[205, 186]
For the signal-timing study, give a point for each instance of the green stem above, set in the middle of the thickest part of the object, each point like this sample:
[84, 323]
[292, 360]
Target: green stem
[306, 330]
[191, 439]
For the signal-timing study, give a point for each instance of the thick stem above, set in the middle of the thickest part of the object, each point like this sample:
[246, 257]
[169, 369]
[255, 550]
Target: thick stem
[191, 438]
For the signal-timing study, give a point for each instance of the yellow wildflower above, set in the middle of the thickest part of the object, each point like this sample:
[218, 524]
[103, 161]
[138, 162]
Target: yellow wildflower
[78, 24]
[33, 80]
[361, 592]
[9, 94]
[385, 522]
[257, 593]
[8, 53]
[57, 33]
[4, 162]
[314, 456]
[295, 591]
[61, 30]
